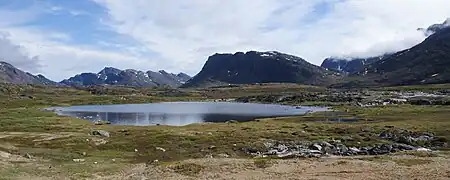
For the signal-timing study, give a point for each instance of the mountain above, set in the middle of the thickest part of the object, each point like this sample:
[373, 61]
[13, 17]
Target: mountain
[10, 74]
[349, 65]
[258, 67]
[425, 63]
[129, 77]
[436, 27]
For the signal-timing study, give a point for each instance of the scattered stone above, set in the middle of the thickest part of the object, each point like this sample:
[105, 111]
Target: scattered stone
[423, 149]
[113, 160]
[355, 150]
[101, 122]
[28, 156]
[232, 122]
[212, 147]
[316, 147]
[403, 147]
[78, 160]
[223, 155]
[161, 149]
[84, 153]
[101, 133]
[99, 142]
[95, 162]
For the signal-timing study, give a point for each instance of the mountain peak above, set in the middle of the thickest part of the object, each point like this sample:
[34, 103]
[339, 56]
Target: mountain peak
[11, 74]
[128, 77]
[257, 67]
[436, 27]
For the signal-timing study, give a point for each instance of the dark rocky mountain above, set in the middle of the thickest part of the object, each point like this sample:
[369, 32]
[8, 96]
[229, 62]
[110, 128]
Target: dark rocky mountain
[349, 66]
[425, 63]
[258, 67]
[129, 77]
[11, 74]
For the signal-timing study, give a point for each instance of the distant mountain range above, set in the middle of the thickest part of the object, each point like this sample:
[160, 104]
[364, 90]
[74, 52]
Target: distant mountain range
[107, 76]
[426, 63]
[129, 77]
[259, 67]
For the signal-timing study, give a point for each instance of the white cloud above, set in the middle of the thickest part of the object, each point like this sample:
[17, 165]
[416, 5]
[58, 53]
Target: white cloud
[186, 32]
[180, 35]
[61, 60]
[16, 55]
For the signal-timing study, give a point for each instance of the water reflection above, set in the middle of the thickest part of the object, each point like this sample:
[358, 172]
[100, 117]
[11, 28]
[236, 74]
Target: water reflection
[180, 113]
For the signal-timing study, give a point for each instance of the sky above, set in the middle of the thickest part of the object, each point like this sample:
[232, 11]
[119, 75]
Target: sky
[61, 38]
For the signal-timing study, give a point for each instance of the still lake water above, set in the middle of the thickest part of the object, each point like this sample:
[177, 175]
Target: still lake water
[181, 113]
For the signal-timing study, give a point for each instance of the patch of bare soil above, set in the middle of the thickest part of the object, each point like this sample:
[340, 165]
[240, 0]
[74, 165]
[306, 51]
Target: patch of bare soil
[435, 168]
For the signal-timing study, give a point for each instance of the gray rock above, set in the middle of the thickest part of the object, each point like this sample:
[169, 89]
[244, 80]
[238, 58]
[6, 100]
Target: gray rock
[232, 122]
[101, 133]
[325, 144]
[315, 152]
[405, 139]
[403, 147]
[316, 147]
[424, 138]
[223, 155]
[101, 122]
[355, 150]
[28, 156]
[342, 149]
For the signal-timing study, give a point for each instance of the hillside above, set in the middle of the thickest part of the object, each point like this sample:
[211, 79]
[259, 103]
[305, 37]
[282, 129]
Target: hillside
[351, 65]
[425, 63]
[11, 74]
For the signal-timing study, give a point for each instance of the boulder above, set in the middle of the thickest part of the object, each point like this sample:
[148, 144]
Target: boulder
[101, 133]
[315, 147]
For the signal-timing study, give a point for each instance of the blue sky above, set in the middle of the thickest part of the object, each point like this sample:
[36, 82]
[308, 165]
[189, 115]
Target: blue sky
[60, 38]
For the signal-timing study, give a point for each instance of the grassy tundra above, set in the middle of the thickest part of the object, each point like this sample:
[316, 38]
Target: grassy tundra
[35, 144]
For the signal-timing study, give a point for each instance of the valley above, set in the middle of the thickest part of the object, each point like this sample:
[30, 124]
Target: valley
[403, 138]
[244, 115]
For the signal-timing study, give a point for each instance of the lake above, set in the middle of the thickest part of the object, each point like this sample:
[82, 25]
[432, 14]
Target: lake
[181, 113]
